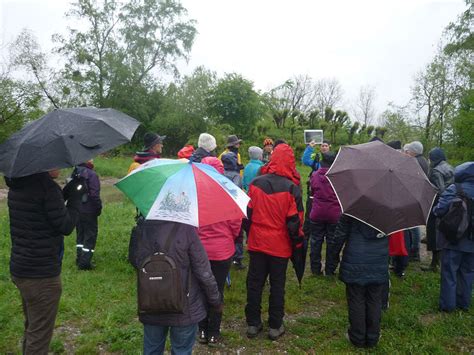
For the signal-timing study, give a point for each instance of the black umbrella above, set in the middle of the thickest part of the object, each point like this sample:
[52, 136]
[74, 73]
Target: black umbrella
[298, 259]
[64, 138]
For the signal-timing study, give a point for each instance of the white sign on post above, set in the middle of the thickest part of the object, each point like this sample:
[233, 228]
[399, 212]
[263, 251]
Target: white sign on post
[315, 135]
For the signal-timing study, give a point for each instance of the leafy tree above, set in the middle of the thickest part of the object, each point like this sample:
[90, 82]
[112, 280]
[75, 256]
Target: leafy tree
[120, 46]
[233, 101]
[19, 104]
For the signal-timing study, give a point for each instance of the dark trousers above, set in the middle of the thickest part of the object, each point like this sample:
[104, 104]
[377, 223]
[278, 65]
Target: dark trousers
[319, 232]
[457, 276]
[239, 247]
[40, 300]
[263, 265]
[212, 323]
[86, 229]
[365, 312]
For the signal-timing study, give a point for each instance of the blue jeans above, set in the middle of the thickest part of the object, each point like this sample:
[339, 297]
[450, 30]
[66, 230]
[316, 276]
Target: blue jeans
[182, 339]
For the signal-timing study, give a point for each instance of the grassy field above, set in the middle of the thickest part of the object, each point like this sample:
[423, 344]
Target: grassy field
[97, 312]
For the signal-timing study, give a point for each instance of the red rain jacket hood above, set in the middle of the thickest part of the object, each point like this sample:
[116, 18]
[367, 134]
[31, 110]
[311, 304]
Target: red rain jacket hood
[282, 162]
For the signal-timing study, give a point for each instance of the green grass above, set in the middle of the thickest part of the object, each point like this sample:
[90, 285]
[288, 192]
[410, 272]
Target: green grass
[97, 312]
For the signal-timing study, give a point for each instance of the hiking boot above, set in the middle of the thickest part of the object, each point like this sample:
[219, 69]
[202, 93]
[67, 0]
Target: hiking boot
[239, 265]
[253, 330]
[202, 339]
[213, 341]
[274, 334]
[86, 266]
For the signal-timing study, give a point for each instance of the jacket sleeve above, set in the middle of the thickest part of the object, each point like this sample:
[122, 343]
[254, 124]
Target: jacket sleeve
[294, 217]
[306, 159]
[445, 201]
[343, 228]
[437, 180]
[202, 271]
[94, 191]
[63, 219]
[247, 222]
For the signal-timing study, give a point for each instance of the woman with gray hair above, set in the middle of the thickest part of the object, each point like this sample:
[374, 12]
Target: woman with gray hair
[253, 167]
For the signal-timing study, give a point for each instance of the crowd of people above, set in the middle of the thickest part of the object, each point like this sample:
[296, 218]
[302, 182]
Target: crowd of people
[277, 223]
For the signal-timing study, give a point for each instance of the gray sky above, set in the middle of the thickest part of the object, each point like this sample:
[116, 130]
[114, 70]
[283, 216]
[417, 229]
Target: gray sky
[382, 43]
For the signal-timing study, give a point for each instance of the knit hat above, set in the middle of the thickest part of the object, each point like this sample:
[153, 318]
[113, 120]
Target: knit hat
[233, 140]
[215, 163]
[255, 153]
[415, 147]
[207, 142]
[150, 139]
[328, 159]
[267, 141]
[436, 156]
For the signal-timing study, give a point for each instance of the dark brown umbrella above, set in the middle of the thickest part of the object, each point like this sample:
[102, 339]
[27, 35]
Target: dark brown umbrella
[381, 187]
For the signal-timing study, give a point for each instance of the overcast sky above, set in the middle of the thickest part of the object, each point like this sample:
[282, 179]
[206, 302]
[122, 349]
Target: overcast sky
[382, 43]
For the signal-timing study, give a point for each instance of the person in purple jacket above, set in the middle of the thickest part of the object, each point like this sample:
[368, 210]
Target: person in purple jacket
[325, 213]
[90, 210]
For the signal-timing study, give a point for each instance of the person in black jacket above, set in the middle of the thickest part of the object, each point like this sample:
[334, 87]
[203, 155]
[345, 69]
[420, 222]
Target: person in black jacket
[90, 210]
[364, 270]
[39, 219]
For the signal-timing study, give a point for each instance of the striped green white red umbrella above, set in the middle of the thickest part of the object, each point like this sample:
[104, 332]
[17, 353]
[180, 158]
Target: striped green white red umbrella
[178, 191]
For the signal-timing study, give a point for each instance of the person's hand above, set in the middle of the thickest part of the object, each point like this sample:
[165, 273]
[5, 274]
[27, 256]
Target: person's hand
[74, 189]
[219, 308]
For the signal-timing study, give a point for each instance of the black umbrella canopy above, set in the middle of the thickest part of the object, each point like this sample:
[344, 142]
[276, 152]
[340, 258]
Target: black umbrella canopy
[64, 138]
[381, 187]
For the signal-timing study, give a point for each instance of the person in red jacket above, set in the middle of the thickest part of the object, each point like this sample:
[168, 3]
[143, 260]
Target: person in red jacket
[274, 228]
[218, 241]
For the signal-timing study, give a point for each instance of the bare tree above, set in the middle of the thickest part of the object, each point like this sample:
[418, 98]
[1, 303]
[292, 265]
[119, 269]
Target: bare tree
[365, 110]
[294, 97]
[327, 93]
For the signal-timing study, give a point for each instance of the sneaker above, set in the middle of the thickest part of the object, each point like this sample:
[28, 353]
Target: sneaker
[213, 341]
[274, 334]
[86, 266]
[202, 339]
[253, 330]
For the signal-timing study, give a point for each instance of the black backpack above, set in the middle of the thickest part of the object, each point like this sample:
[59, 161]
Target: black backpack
[456, 224]
[159, 288]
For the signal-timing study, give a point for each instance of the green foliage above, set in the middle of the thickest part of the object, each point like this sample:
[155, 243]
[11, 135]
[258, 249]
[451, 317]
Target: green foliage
[233, 101]
[19, 104]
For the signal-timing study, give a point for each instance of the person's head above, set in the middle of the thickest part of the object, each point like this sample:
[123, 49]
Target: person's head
[325, 146]
[186, 151]
[436, 156]
[230, 161]
[327, 159]
[268, 145]
[278, 142]
[207, 142]
[255, 153]
[153, 142]
[215, 163]
[233, 142]
[54, 173]
[397, 145]
[282, 163]
[414, 148]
